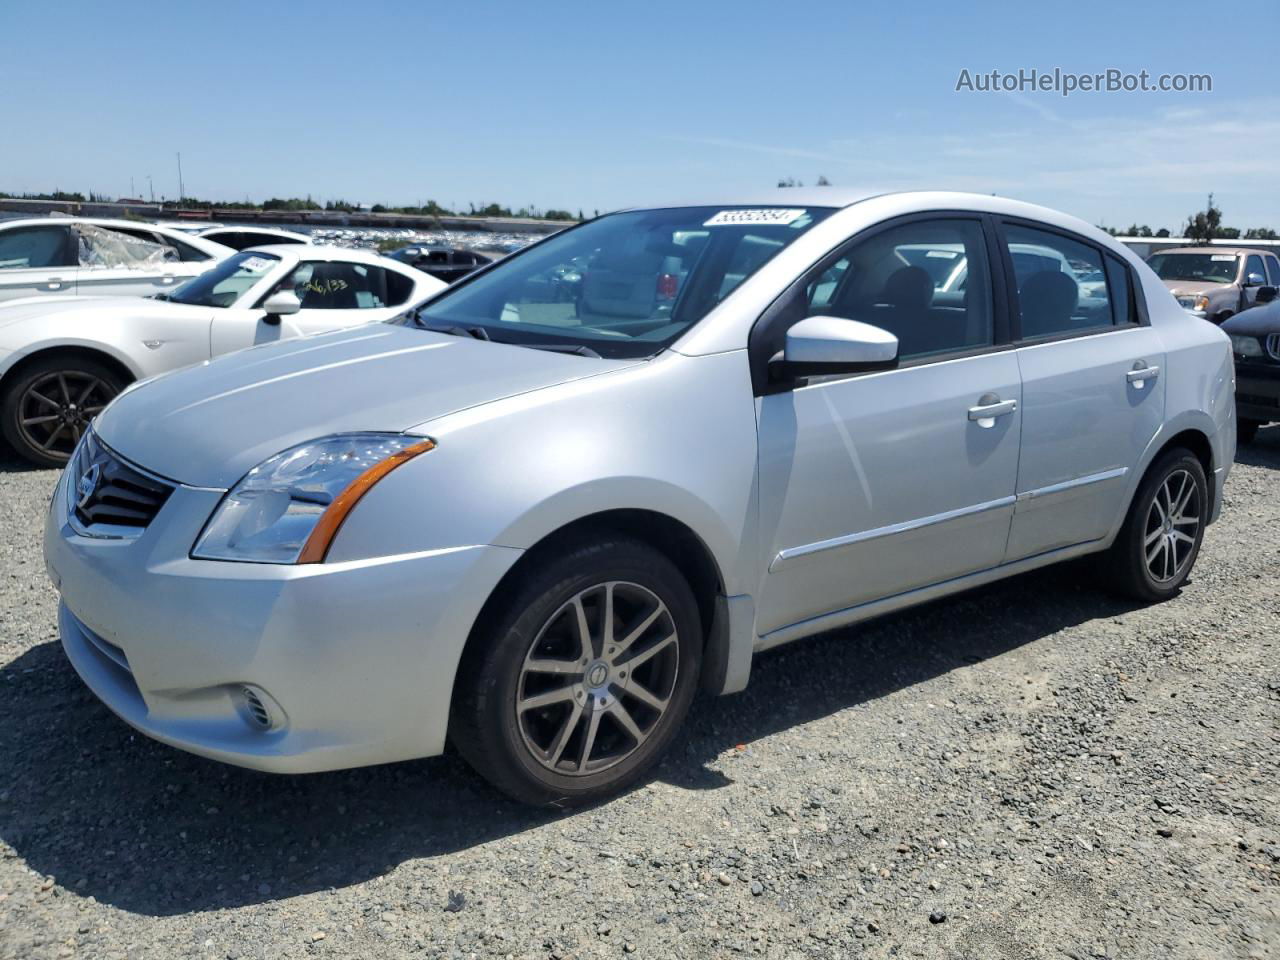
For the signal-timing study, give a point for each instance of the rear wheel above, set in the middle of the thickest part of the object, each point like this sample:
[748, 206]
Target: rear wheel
[49, 404]
[1160, 540]
[578, 684]
[1246, 430]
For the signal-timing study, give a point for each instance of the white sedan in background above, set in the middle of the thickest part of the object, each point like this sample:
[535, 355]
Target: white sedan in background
[54, 256]
[62, 360]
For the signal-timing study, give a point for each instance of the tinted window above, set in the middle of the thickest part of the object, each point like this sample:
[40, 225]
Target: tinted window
[625, 285]
[339, 285]
[1118, 284]
[926, 282]
[1254, 265]
[34, 247]
[1273, 271]
[1048, 270]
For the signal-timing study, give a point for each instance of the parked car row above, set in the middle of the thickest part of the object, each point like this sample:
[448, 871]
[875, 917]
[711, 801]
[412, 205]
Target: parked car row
[537, 510]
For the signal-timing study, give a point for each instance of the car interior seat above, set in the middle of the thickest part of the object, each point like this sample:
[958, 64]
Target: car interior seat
[1047, 299]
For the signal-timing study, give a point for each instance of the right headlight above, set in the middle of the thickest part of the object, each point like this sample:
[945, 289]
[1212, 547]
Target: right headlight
[289, 507]
[1245, 346]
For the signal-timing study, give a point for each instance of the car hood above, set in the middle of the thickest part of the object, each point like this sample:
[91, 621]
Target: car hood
[1193, 288]
[1255, 322]
[210, 424]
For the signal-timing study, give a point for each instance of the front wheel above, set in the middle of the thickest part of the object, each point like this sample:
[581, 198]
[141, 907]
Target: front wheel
[50, 404]
[576, 685]
[1156, 548]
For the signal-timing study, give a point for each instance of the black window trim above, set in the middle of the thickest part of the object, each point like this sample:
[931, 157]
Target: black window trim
[1137, 306]
[997, 279]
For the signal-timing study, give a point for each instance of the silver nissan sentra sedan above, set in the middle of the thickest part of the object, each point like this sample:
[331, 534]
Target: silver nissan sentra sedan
[535, 514]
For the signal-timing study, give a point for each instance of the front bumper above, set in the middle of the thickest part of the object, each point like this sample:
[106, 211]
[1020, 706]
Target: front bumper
[1258, 391]
[356, 659]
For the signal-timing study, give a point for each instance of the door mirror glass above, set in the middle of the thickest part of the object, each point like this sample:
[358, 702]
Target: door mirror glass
[282, 303]
[818, 345]
[1254, 280]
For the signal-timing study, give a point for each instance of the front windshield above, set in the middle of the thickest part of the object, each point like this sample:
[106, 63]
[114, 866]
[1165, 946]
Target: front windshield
[224, 284]
[625, 285]
[1206, 267]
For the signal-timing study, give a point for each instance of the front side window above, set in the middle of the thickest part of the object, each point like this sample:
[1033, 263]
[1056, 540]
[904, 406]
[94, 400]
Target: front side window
[34, 247]
[1202, 267]
[625, 285]
[1273, 271]
[926, 282]
[226, 283]
[1054, 297]
[1253, 266]
[338, 285]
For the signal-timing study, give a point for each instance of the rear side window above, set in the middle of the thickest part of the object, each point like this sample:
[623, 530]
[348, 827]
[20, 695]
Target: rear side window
[1120, 291]
[1061, 283]
[27, 247]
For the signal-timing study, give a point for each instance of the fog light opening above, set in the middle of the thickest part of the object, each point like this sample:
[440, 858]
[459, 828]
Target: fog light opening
[258, 709]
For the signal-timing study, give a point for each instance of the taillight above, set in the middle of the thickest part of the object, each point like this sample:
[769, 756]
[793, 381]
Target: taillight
[668, 284]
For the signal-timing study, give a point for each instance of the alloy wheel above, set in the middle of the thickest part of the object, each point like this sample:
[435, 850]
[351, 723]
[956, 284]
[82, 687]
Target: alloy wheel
[1172, 524]
[597, 679]
[55, 410]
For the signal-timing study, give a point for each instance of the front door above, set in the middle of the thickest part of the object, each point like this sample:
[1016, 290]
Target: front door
[877, 484]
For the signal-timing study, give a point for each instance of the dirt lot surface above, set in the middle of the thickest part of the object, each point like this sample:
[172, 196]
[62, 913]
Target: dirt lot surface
[1032, 770]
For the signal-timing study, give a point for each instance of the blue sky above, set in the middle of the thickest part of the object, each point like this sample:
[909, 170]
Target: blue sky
[603, 104]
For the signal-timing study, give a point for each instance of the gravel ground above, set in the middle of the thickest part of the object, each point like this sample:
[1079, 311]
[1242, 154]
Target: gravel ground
[1031, 770]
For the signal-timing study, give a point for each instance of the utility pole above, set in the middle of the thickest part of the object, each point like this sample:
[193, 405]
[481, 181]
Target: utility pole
[133, 192]
[181, 192]
[152, 188]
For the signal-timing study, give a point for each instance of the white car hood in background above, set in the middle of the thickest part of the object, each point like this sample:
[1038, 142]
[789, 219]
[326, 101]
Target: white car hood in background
[15, 311]
[209, 425]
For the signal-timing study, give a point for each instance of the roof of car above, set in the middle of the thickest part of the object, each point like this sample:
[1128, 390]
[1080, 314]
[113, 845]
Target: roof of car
[303, 251]
[1234, 251]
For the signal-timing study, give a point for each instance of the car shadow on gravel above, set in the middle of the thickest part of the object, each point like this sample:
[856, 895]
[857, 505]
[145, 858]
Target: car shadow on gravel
[1264, 451]
[154, 831]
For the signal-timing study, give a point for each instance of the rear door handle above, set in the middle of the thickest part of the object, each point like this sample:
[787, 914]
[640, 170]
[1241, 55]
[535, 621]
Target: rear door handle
[53, 283]
[989, 407]
[1140, 375]
[168, 278]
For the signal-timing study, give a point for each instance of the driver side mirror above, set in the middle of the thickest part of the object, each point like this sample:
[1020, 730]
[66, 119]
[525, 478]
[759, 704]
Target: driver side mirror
[1254, 280]
[282, 303]
[827, 345]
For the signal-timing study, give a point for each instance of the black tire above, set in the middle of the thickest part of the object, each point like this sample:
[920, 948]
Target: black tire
[72, 388]
[1128, 569]
[1246, 431]
[499, 743]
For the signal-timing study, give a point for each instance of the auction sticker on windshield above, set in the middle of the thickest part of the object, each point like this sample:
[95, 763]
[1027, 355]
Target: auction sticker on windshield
[256, 264]
[775, 216]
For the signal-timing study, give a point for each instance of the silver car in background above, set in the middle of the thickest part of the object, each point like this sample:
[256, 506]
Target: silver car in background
[535, 516]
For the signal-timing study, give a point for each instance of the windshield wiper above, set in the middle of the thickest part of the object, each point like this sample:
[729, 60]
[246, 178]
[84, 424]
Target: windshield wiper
[455, 330]
[582, 350]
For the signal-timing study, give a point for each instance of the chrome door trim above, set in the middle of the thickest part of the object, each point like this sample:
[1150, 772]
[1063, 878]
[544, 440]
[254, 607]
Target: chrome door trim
[790, 554]
[1072, 484]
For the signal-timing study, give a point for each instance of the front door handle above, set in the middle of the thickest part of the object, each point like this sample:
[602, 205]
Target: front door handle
[53, 283]
[989, 407]
[1139, 376]
[168, 278]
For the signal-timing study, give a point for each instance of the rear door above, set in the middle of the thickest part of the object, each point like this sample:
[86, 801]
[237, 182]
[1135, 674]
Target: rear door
[1092, 387]
[37, 260]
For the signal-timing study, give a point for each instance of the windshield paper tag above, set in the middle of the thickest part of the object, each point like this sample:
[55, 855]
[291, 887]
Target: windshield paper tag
[773, 216]
[255, 264]
[1223, 256]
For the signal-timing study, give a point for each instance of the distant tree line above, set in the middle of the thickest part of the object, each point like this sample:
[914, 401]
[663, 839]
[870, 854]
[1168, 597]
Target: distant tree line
[299, 204]
[1202, 226]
